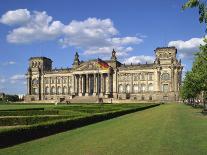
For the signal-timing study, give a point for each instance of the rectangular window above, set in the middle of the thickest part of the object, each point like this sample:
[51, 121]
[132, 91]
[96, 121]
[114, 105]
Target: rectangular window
[165, 88]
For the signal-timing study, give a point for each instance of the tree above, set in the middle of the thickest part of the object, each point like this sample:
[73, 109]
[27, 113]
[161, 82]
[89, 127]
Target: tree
[201, 5]
[195, 81]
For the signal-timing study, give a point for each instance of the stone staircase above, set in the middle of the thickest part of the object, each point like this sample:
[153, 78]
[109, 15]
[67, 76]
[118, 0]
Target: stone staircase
[84, 99]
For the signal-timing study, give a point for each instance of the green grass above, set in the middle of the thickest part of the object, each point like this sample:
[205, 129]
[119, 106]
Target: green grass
[166, 129]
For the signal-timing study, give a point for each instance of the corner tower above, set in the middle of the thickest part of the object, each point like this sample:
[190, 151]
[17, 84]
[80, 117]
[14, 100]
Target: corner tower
[37, 67]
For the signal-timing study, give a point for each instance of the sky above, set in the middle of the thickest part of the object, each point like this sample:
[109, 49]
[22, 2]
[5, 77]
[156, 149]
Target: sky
[59, 28]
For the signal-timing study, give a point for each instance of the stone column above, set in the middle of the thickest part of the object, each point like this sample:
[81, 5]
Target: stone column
[132, 83]
[101, 84]
[73, 85]
[80, 85]
[176, 80]
[158, 80]
[172, 79]
[87, 85]
[95, 84]
[49, 86]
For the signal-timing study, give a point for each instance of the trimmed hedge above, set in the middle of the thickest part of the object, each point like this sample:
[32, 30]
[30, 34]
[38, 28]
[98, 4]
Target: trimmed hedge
[19, 135]
[25, 109]
[28, 112]
[27, 120]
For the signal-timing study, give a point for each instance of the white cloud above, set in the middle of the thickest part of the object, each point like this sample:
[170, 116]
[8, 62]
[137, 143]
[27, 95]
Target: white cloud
[39, 28]
[188, 47]
[2, 80]
[93, 35]
[139, 59]
[15, 17]
[9, 63]
[17, 77]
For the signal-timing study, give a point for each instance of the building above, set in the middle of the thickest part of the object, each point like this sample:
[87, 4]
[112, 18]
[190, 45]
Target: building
[157, 81]
[2, 96]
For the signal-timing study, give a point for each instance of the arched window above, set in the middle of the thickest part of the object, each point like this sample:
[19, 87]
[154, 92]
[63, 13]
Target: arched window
[150, 97]
[143, 87]
[165, 76]
[47, 90]
[150, 87]
[135, 88]
[142, 98]
[64, 90]
[121, 88]
[53, 90]
[59, 90]
[35, 91]
[127, 88]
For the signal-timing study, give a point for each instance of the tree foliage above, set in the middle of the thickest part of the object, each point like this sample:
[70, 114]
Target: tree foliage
[195, 81]
[201, 5]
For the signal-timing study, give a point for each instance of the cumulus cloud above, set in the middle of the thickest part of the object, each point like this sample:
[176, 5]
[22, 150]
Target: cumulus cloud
[139, 59]
[40, 27]
[15, 17]
[188, 47]
[93, 35]
[17, 78]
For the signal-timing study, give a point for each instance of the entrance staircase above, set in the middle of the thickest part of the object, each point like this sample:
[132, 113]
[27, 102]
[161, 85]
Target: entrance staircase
[84, 99]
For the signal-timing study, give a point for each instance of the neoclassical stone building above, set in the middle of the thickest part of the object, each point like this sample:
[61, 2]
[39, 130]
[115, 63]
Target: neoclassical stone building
[157, 81]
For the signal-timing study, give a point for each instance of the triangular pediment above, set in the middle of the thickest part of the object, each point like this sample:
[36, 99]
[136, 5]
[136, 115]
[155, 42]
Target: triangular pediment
[88, 66]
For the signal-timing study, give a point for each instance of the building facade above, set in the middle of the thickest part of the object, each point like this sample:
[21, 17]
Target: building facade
[157, 81]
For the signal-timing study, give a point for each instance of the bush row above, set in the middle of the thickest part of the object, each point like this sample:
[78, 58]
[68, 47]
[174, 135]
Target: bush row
[28, 113]
[19, 135]
[27, 120]
[25, 109]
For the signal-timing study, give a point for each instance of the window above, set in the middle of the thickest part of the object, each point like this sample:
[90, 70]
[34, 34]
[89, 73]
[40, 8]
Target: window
[165, 76]
[136, 89]
[35, 81]
[70, 90]
[53, 90]
[53, 80]
[127, 88]
[47, 90]
[59, 90]
[150, 98]
[150, 87]
[150, 77]
[121, 88]
[64, 90]
[143, 87]
[142, 98]
[35, 91]
[165, 88]
[142, 77]
[59, 80]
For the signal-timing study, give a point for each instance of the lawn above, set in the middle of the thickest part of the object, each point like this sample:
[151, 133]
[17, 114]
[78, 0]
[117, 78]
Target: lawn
[20, 123]
[166, 129]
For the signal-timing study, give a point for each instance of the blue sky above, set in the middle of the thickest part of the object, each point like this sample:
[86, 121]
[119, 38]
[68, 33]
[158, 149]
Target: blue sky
[58, 28]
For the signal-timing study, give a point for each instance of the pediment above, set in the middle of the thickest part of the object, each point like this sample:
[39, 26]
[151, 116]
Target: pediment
[88, 66]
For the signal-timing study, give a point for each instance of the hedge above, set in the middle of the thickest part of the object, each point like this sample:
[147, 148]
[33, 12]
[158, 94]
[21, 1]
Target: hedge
[28, 112]
[19, 135]
[25, 109]
[27, 120]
